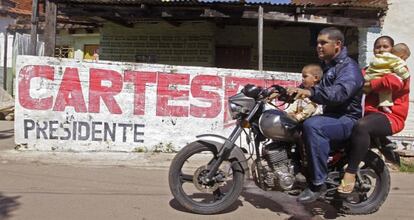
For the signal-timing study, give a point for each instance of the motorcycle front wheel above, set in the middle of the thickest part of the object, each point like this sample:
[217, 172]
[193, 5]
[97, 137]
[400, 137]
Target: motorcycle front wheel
[186, 173]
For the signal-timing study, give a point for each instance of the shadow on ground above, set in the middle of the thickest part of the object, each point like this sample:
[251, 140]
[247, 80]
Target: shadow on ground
[276, 202]
[281, 202]
[175, 205]
[8, 205]
[6, 134]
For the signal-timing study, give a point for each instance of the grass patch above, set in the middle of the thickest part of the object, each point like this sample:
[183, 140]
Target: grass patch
[164, 148]
[140, 150]
[407, 166]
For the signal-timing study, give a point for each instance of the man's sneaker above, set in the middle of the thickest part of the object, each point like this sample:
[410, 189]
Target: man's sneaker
[311, 194]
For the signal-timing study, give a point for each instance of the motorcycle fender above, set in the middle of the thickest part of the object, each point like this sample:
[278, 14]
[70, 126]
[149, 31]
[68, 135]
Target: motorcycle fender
[217, 142]
[391, 155]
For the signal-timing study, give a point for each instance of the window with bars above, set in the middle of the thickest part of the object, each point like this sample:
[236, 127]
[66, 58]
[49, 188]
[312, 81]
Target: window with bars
[64, 52]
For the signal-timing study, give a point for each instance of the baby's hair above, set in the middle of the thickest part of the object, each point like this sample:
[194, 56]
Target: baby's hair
[314, 69]
[402, 48]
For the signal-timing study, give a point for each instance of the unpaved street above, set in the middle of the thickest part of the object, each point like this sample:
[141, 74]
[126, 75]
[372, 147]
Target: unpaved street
[41, 191]
[128, 186]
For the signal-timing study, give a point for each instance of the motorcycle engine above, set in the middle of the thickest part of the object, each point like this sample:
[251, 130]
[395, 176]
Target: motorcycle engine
[279, 174]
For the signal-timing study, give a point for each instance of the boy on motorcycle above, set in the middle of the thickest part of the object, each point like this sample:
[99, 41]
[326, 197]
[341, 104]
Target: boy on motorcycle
[302, 109]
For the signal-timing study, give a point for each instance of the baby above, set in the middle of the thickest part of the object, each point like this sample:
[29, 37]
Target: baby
[389, 63]
[302, 109]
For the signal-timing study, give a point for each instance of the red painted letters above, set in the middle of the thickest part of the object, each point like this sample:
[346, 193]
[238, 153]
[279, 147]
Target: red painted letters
[173, 91]
[107, 93]
[168, 90]
[26, 74]
[70, 92]
[140, 79]
[212, 97]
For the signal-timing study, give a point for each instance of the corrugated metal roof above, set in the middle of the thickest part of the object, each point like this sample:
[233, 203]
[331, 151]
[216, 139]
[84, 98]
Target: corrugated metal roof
[41, 26]
[377, 4]
[273, 2]
[344, 3]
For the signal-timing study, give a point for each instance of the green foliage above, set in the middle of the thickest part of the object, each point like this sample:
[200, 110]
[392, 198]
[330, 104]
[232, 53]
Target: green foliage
[164, 148]
[140, 150]
[407, 167]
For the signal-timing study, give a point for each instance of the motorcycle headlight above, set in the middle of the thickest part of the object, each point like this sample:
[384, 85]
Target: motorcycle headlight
[234, 110]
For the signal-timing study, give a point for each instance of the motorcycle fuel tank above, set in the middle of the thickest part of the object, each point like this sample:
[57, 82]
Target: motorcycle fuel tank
[276, 125]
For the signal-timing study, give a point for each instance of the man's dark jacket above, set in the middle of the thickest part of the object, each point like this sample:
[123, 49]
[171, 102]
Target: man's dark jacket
[340, 90]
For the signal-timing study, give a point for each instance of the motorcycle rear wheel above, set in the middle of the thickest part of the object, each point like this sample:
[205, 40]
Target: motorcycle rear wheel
[187, 188]
[375, 173]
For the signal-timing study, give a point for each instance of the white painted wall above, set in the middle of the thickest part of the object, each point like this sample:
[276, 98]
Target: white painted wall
[178, 85]
[399, 24]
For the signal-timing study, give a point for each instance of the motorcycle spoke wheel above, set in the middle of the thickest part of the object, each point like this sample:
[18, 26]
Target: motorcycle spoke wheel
[372, 188]
[188, 183]
[186, 178]
[195, 169]
[365, 187]
[218, 195]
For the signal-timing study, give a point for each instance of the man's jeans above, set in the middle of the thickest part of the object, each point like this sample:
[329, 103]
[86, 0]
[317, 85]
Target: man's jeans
[318, 132]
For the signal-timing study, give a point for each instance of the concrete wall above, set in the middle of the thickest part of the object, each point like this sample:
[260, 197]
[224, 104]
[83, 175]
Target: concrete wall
[67, 105]
[399, 24]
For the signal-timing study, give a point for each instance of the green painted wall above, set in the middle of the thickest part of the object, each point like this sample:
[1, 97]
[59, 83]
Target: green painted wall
[77, 41]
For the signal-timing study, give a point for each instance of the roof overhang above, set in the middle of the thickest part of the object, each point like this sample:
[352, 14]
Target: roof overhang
[129, 12]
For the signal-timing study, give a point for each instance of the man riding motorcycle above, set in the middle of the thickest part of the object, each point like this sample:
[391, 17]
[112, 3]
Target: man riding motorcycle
[340, 92]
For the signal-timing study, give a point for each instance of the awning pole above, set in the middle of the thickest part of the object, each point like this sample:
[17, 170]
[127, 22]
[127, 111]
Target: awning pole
[33, 30]
[5, 60]
[50, 29]
[260, 46]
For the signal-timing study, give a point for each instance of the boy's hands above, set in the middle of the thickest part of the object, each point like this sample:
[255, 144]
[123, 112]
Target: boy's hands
[300, 93]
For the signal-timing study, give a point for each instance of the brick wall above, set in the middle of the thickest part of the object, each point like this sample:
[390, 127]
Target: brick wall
[193, 44]
[188, 44]
[284, 48]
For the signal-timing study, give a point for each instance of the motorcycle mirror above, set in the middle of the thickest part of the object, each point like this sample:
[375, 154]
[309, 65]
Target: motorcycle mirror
[251, 90]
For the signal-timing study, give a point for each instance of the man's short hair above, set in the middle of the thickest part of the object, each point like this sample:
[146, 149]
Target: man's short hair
[314, 69]
[402, 48]
[333, 34]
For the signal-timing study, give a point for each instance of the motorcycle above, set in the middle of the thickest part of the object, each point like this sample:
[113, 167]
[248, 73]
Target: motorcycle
[207, 175]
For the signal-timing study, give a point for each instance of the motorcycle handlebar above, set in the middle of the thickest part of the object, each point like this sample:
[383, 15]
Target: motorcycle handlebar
[281, 92]
[272, 92]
